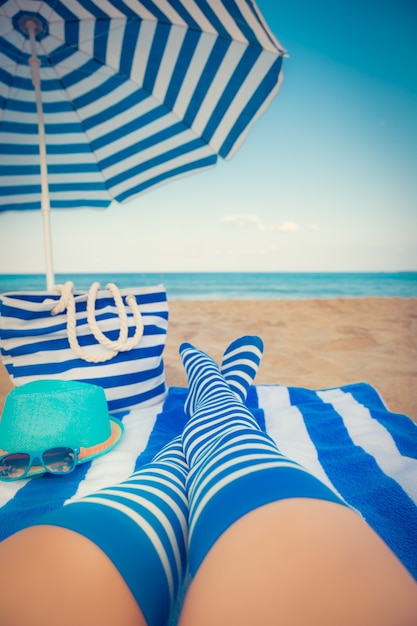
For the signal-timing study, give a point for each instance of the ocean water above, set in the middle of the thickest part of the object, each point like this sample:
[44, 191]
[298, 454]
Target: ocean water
[245, 286]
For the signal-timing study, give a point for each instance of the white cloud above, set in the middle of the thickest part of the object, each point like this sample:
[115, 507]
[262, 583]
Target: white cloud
[288, 227]
[314, 228]
[243, 219]
[249, 219]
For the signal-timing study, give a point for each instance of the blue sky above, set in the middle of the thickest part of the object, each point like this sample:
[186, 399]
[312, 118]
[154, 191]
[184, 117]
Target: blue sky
[325, 181]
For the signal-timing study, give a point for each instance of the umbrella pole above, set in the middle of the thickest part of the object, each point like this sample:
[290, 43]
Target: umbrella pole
[45, 204]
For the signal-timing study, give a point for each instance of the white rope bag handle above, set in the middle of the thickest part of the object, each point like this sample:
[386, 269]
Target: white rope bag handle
[122, 344]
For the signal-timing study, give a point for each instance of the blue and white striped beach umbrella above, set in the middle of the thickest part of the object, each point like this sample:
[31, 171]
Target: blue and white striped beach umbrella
[102, 100]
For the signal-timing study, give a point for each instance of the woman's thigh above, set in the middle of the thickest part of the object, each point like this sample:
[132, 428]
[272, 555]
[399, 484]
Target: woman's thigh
[301, 562]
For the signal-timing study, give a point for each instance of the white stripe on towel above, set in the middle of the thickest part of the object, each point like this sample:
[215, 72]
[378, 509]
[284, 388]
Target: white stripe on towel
[119, 463]
[369, 434]
[285, 424]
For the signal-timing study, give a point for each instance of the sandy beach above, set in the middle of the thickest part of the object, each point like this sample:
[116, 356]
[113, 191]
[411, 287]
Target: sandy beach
[308, 343]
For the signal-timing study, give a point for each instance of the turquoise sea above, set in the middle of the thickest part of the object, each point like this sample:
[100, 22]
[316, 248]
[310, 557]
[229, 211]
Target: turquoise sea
[246, 286]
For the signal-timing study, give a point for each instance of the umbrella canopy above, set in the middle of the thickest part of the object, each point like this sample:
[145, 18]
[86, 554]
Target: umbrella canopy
[103, 100]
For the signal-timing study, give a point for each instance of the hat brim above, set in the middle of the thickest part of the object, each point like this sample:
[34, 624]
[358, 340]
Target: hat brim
[86, 454]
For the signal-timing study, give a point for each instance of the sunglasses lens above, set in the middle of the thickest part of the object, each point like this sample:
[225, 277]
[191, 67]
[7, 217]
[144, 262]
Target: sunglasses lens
[14, 465]
[59, 460]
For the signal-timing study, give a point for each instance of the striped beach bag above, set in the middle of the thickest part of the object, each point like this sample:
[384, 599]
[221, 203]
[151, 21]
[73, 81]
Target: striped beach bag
[113, 338]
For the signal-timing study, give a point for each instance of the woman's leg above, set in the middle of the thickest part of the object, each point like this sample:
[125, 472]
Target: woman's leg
[300, 562]
[53, 576]
[117, 556]
[268, 542]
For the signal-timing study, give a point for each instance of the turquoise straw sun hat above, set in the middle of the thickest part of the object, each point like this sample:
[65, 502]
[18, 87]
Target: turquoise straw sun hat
[51, 413]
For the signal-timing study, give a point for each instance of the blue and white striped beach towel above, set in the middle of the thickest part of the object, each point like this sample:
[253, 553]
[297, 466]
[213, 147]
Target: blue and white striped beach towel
[346, 436]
